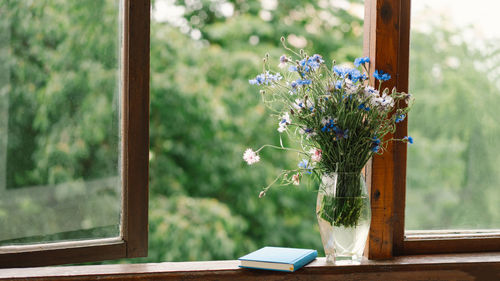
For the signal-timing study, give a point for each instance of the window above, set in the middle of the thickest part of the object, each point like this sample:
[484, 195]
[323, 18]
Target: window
[111, 176]
[386, 40]
[388, 34]
[460, 187]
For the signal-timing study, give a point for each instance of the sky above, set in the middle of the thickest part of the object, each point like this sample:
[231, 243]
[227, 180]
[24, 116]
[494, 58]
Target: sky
[483, 14]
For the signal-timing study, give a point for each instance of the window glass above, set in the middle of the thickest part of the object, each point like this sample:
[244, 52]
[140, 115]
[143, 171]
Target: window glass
[204, 202]
[59, 120]
[453, 166]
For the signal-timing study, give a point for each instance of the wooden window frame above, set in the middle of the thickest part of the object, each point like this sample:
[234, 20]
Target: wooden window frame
[387, 43]
[133, 240]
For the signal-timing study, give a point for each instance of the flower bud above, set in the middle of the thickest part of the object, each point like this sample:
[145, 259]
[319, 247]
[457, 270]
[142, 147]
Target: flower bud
[262, 194]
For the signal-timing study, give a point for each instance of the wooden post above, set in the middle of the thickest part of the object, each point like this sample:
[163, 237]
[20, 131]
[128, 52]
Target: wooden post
[386, 42]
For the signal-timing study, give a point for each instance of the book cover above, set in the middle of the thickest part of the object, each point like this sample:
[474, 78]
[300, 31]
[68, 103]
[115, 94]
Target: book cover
[278, 258]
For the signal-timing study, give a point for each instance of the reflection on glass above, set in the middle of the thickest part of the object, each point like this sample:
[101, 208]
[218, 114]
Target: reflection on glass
[453, 178]
[59, 120]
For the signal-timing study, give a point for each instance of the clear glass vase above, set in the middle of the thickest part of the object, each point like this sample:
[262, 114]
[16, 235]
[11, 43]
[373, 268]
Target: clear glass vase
[344, 216]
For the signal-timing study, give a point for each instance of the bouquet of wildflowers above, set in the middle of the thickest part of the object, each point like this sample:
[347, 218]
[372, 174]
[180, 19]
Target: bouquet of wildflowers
[338, 120]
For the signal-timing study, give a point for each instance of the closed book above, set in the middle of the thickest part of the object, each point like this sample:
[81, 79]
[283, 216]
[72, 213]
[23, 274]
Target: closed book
[277, 258]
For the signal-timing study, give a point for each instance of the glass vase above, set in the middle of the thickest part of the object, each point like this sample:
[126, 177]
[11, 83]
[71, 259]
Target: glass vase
[344, 215]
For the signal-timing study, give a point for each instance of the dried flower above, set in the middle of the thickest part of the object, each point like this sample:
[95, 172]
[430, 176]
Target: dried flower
[283, 61]
[296, 179]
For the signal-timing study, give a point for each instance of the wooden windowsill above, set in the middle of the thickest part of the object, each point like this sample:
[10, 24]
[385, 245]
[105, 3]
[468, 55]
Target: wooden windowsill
[478, 266]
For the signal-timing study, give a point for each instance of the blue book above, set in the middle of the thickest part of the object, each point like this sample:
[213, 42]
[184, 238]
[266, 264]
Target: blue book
[276, 258]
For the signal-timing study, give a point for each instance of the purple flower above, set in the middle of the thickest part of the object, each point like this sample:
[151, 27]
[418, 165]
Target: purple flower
[283, 61]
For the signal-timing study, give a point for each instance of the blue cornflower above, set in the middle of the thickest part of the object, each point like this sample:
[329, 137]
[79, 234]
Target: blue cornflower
[305, 65]
[313, 63]
[292, 68]
[317, 59]
[341, 134]
[400, 118]
[338, 85]
[375, 144]
[309, 132]
[304, 164]
[351, 73]
[341, 71]
[409, 139]
[360, 61]
[265, 78]
[302, 82]
[328, 125]
[363, 106]
[381, 76]
[356, 75]
[259, 80]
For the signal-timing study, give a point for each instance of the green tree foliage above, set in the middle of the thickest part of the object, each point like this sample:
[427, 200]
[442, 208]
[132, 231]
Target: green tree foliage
[62, 128]
[196, 148]
[452, 170]
[63, 121]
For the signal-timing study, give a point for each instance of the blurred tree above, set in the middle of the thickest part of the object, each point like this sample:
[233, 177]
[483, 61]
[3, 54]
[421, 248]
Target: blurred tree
[452, 172]
[63, 120]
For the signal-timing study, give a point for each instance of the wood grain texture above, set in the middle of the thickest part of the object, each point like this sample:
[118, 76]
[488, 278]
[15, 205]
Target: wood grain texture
[446, 245]
[63, 255]
[400, 148]
[437, 267]
[136, 127]
[385, 47]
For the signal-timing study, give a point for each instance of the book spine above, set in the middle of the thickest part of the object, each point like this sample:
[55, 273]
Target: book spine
[305, 260]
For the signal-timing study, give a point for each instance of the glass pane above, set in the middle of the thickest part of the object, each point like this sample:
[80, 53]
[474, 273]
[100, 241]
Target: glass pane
[204, 202]
[59, 120]
[453, 178]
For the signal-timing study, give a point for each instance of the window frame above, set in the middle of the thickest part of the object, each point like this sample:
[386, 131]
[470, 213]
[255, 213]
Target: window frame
[387, 43]
[133, 239]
